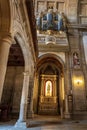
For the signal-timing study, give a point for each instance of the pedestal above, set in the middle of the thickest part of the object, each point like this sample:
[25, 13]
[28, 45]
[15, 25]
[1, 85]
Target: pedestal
[67, 115]
[20, 125]
[30, 114]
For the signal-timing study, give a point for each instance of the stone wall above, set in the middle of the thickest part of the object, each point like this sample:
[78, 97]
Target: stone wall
[74, 57]
[13, 88]
[79, 95]
[77, 72]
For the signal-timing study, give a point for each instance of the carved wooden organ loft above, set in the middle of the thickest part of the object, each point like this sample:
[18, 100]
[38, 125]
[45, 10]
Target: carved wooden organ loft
[52, 28]
[51, 21]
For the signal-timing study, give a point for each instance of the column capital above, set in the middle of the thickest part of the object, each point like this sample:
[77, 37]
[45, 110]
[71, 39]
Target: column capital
[6, 37]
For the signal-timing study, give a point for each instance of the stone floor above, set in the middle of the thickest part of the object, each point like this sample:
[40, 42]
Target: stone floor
[47, 123]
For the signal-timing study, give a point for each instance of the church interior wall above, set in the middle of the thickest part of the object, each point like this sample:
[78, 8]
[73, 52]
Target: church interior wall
[13, 88]
[75, 12]
[70, 58]
[78, 88]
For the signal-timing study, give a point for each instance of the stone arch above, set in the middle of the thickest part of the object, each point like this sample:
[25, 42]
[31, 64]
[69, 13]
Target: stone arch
[58, 66]
[52, 57]
[8, 30]
[24, 49]
[21, 37]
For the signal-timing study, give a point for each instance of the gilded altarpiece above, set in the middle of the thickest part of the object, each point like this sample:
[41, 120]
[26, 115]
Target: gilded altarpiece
[48, 100]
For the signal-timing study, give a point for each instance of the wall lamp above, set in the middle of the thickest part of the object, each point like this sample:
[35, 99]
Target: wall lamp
[78, 81]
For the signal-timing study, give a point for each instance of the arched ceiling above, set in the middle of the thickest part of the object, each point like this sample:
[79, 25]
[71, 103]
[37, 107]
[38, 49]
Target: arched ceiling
[50, 59]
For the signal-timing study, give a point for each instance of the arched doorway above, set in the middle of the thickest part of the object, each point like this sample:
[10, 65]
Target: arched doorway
[13, 81]
[49, 86]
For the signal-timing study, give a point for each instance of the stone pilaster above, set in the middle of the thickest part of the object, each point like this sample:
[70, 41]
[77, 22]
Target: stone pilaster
[35, 92]
[5, 45]
[23, 106]
[83, 61]
[67, 79]
[61, 94]
[67, 114]
[42, 89]
[31, 87]
[55, 84]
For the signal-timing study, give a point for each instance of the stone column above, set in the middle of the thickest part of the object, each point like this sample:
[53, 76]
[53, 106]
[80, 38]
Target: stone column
[42, 91]
[62, 81]
[83, 60]
[24, 100]
[66, 89]
[67, 114]
[68, 75]
[31, 88]
[55, 84]
[67, 84]
[4, 52]
[35, 92]
[61, 94]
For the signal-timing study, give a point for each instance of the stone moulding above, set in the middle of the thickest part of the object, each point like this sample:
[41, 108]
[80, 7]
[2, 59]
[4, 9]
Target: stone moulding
[56, 38]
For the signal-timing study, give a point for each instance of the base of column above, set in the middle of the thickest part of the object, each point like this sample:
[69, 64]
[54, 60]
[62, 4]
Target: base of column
[67, 115]
[30, 114]
[61, 113]
[20, 124]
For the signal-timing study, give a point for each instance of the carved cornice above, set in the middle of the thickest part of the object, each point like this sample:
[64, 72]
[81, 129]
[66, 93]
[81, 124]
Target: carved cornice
[53, 48]
[78, 26]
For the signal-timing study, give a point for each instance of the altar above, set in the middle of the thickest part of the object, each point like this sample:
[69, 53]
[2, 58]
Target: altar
[48, 100]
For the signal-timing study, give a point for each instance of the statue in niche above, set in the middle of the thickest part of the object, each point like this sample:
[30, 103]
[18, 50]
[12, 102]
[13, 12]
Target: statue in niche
[48, 88]
[76, 59]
